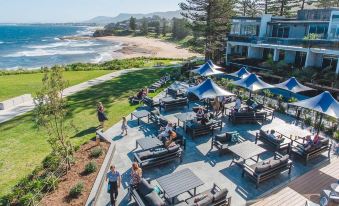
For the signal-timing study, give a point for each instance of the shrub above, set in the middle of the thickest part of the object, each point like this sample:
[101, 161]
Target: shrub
[90, 168]
[76, 190]
[51, 162]
[30, 199]
[96, 152]
[308, 121]
[336, 135]
[50, 183]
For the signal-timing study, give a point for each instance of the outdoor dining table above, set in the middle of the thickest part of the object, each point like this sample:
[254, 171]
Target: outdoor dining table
[184, 117]
[335, 187]
[178, 183]
[148, 143]
[245, 150]
[140, 114]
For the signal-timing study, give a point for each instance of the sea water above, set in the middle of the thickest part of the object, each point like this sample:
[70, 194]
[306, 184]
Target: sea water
[34, 46]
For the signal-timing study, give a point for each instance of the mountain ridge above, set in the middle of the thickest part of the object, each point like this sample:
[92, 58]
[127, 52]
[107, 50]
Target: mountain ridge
[125, 16]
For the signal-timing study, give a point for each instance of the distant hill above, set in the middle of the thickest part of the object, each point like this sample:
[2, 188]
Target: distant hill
[103, 20]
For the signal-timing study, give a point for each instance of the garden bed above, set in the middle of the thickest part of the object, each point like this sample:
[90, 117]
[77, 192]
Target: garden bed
[83, 156]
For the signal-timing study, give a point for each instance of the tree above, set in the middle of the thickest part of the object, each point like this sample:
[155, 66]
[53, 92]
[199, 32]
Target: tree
[144, 26]
[132, 24]
[157, 28]
[282, 7]
[164, 27]
[327, 3]
[51, 111]
[180, 28]
[250, 8]
[210, 19]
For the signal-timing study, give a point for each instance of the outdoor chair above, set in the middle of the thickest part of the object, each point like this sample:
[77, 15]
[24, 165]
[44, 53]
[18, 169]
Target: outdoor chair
[150, 102]
[145, 195]
[283, 144]
[223, 141]
[174, 93]
[267, 169]
[315, 151]
[174, 104]
[157, 156]
[211, 197]
[247, 117]
[135, 100]
[331, 197]
[195, 129]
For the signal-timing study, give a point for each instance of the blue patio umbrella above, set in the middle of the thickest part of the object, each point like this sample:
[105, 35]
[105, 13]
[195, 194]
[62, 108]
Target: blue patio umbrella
[209, 89]
[213, 65]
[241, 74]
[252, 83]
[292, 85]
[324, 103]
[206, 70]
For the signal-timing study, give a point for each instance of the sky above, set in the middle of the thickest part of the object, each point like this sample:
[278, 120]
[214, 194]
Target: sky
[51, 11]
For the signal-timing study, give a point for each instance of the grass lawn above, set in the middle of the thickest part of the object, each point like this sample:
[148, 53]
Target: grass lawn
[18, 84]
[23, 147]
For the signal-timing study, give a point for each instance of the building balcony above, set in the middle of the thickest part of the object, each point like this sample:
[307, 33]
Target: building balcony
[319, 43]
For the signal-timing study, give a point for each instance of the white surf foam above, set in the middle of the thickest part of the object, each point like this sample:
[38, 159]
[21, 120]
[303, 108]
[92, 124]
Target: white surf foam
[47, 52]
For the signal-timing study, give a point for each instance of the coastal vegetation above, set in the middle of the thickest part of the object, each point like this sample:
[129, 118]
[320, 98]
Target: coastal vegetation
[19, 82]
[25, 146]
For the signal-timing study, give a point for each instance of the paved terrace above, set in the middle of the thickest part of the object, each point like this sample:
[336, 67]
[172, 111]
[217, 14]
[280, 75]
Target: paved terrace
[206, 163]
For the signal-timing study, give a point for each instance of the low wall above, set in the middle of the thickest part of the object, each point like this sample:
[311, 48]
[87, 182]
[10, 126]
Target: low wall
[11, 103]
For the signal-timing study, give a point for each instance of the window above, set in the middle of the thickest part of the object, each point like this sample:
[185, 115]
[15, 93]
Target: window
[280, 31]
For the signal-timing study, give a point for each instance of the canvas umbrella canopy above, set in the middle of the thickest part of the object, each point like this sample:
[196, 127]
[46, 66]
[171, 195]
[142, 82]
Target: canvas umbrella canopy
[324, 103]
[292, 85]
[209, 89]
[252, 83]
[241, 73]
[206, 70]
[213, 65]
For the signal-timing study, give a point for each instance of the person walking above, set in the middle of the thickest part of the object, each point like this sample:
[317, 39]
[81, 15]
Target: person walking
[114, 181]
[136, 175]
[124, 126]
[101, 114]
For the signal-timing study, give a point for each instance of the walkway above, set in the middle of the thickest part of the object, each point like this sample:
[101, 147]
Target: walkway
[306, 187]
[6, 115]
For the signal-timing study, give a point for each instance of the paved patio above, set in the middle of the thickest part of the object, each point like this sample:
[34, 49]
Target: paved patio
[206, 163]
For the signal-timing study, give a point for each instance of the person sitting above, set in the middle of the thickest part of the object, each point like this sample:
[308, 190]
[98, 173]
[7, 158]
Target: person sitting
[200, 113]
[237, 105]
[145, 92]
[140, 94]
[273, 136]
[165, 131]
[204, 120]
[309, 143]
[171, 140]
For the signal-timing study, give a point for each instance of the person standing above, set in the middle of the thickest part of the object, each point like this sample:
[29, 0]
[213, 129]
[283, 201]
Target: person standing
[237, 104]
[136, 175]
[101, 114]
[124, 126]
[114, 181]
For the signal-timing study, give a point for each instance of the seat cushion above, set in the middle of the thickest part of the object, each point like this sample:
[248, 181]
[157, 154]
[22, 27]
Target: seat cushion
[155, 112]
[262, 168]
[144, 187]
[153, 199]
[145, 154]
[160, 152]
[205, 201]
[284, 159]
[275, 163]
[220, 195]
[325, 141]
[174, 149]
[223, 138]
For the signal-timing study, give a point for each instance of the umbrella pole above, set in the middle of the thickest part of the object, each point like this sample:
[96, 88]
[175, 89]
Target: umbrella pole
[321, 119]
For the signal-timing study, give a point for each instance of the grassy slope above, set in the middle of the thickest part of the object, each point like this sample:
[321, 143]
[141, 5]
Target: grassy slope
[23, 147]
[30, 83]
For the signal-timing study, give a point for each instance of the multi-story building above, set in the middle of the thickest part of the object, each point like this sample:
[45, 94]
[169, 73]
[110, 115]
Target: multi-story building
[286, 39]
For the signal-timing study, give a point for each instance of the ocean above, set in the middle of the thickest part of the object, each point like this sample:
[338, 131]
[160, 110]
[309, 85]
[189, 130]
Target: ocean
[34, 46]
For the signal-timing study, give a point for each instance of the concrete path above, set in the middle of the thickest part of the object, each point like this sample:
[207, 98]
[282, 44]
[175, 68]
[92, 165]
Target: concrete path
[6, 115]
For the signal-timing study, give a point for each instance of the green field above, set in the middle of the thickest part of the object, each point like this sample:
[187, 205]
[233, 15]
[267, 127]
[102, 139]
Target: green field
[15, 85]
[23, 147]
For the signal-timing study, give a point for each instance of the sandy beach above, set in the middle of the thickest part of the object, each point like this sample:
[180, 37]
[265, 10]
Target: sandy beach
[148, 47]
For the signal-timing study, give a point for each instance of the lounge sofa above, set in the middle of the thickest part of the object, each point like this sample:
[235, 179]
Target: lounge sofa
[150, 102]
[158, 119]
[174, 93]
[223, 141]
[247, 117]
[174, 104]
[196, 129]
[212, 197]
[283, 144]
[144, 195]
[152, 157]
[267, 169]
[299, 150]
